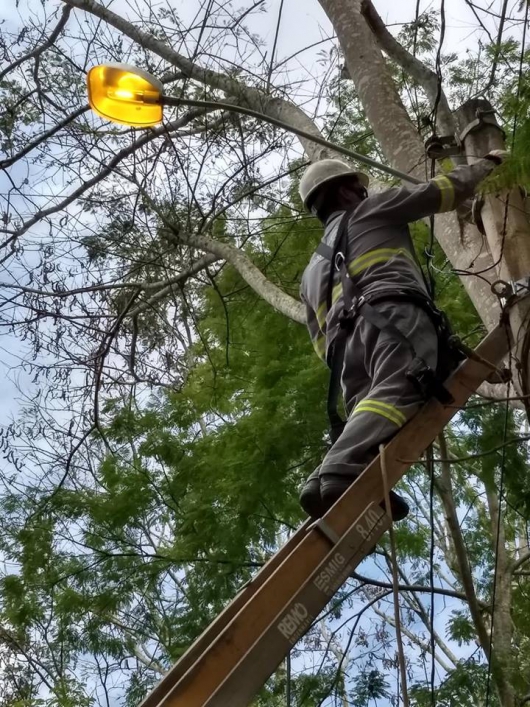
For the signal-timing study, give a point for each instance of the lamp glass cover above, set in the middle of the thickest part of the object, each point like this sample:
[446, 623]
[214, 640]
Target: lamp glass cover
[125, 95]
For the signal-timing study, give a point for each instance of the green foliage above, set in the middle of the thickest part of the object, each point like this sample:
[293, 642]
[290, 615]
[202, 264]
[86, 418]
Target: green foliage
[465, 686]
[371, 685]
[460, 627]
[496, 439]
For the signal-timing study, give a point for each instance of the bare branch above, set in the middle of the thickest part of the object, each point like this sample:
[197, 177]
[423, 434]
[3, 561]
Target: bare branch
[43, 137]
[414, 638]
[146, 138]
[41, 48]
[415, 588]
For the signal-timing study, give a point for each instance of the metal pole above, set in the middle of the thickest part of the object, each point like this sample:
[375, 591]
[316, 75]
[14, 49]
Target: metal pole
[506, 227]
[222, 105]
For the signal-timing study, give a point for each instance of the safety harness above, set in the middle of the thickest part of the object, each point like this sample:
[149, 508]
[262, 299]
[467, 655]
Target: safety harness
[426, 380]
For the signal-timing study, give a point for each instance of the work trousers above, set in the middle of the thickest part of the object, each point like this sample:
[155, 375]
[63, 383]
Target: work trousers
[379, 400]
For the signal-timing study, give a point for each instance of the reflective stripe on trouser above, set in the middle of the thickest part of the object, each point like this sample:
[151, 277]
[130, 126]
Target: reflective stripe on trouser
[378, 396]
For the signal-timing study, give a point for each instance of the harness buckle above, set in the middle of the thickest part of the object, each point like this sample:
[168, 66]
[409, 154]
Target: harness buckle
[348, 316]
[340, 259]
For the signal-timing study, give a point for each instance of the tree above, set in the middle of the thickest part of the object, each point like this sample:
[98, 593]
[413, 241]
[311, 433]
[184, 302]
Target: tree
[112, 514]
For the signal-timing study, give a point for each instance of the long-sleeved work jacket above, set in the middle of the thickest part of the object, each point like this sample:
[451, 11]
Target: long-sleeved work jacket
[380, 251]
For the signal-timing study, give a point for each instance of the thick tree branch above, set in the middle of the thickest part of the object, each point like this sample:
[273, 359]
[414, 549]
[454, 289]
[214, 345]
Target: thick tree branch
[253, 98]
[502, 630]
[520, 561]
[376, 88]
[252, 275]
[415, 68]
[140, 653]
[444, 486]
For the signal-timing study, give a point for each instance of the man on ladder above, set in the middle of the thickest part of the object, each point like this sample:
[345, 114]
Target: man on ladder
[370, 315]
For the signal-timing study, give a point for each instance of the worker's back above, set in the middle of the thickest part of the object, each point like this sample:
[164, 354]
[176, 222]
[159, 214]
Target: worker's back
[380, 256]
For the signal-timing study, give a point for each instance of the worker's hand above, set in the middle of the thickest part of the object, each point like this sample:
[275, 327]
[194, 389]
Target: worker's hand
[497, 156]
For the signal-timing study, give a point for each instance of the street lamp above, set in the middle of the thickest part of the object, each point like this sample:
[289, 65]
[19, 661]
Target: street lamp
[125, 94]
[131, 96]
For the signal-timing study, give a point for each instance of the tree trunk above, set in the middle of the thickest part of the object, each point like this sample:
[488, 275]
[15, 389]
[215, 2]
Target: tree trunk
[444, 487]
[502, 627]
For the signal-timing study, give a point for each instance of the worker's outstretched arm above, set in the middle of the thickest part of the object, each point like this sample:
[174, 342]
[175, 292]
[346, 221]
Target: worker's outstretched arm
[443, 193]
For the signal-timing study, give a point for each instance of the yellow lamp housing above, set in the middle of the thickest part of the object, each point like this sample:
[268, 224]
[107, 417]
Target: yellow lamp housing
[125, 95]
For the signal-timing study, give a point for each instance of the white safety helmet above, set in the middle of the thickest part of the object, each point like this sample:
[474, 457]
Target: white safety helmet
[325, 171]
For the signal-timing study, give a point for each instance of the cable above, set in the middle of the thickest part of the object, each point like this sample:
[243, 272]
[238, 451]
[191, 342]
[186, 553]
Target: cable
[430, 466]
[429, 251]
[495, 572]
[395, 581]
[519, 79]
[499, 40]
[439, 64]
[288, 680]
[271, 67]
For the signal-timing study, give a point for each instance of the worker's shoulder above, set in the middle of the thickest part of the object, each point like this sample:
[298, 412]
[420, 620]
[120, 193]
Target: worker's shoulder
[375, 200]
[387, 198]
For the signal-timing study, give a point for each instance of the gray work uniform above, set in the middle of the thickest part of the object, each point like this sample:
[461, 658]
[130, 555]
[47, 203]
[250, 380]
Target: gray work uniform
[378, 397]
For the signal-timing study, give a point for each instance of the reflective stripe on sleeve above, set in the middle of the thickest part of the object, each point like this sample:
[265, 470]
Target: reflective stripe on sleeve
[378, 407]
[447, 192]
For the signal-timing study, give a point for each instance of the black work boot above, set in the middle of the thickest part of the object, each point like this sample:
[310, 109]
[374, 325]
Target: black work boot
[310, 498]
[332, 486]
